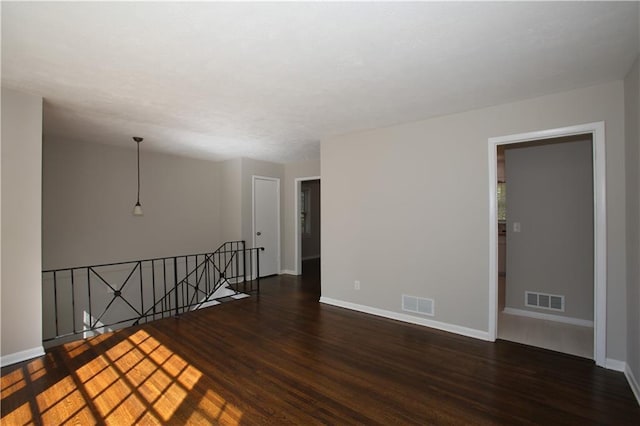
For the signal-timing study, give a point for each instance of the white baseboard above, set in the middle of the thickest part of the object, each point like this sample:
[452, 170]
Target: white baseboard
[316, 256]
[452, 328]
[611, 364]
[632, 382]
[548, 317]
[615, 365]
[287, 272]
[21, 356]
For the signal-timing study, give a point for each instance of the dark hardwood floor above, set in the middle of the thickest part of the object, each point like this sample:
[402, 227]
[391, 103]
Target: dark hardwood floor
[283, 358]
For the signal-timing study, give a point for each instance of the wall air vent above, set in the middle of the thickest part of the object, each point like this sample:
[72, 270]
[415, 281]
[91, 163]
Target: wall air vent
[418, 305]
[552, 302]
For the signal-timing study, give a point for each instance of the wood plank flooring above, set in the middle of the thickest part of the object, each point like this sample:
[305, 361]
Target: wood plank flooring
[283, 358]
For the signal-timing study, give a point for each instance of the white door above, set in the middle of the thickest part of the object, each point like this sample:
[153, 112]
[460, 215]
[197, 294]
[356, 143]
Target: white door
[266, 223]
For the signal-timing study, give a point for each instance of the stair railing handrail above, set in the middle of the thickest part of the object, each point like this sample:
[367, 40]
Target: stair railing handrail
[232, 260]
[141, 260]
[208, 258]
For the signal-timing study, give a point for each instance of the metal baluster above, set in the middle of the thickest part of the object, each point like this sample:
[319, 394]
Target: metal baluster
[198, 278]
[258, 269]
[195, 272]
[185, 286]
[244, 265]
[237, 271]
[55, 300]
[184, 282]
[73, 303]
[153, 284]
[216, 273]
[187, 301]
[197, 289]
[141, 290]
[175, 282]
[207, 264]
[250, 269]
[165, 298]
[89, 294]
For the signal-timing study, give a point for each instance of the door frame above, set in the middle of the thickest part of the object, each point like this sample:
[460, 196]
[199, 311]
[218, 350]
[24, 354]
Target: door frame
[253, 214]
[597, 130]
[296, 209]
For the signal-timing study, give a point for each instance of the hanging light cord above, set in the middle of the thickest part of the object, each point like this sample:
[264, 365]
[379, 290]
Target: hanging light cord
[138, 142]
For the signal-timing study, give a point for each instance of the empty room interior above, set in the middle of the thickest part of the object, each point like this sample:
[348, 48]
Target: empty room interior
[320, 213]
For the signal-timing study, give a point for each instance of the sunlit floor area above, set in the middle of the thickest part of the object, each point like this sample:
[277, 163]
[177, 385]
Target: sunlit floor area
[556, 336]
[570, 339]
[283, 358]
[135, 379]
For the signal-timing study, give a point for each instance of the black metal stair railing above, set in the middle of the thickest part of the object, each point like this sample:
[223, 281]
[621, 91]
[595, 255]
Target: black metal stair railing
[88, 300]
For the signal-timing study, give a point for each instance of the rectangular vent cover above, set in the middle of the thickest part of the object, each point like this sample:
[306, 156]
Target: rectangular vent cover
[418, 305]
[552, 302]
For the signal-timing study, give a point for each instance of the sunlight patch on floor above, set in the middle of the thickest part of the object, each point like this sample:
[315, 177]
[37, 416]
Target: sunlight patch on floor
[138, 380]
[12, 382]
[19, 416]
[62, 402]
[213, 408]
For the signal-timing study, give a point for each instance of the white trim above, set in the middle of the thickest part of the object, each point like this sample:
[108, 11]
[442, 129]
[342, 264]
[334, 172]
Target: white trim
[287, 272]
[493, 240]
[315, 256]
[21, 356]
[451, 328]
[597, 130]
[253, 213]
[548, 317]
[296, 218]
[615, 365]
[600, 243]
[633, 383]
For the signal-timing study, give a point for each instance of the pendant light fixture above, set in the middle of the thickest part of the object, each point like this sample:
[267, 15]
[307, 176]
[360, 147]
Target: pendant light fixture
[137, 209]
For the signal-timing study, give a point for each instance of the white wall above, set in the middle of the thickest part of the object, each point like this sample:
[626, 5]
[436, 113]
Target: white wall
[292, 171]
[21, 226]
[88, 195]
[0, 225]
[231, 199]
[190, 206]
[632, 122]
[418, 208]
[236, 211]
[550, 195]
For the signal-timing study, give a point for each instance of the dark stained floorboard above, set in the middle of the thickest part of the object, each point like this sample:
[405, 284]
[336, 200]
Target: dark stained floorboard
[283, 358]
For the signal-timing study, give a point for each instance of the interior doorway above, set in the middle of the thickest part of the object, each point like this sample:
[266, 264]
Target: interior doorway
[545, 244]
[545, 299]
[307, 222]
[266, 223]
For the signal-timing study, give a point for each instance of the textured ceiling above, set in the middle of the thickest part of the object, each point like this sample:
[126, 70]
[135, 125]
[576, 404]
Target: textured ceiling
[270, 80]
